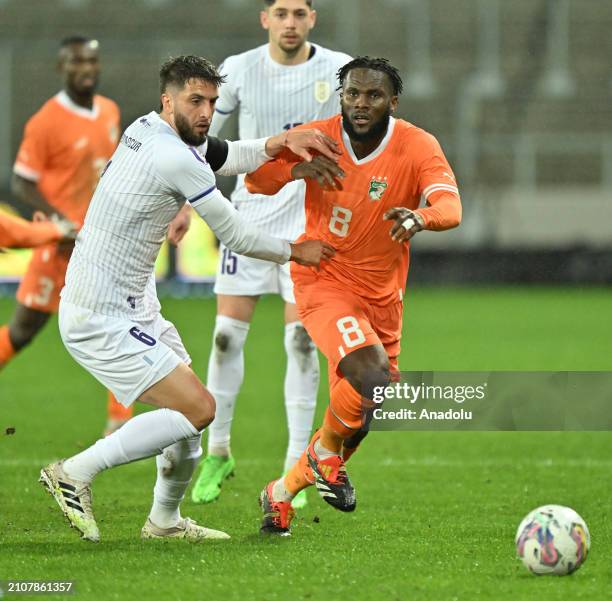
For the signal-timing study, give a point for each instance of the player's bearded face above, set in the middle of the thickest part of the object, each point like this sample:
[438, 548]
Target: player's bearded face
[193, 109]
[188, 133]
[375, 128]
[367, 105]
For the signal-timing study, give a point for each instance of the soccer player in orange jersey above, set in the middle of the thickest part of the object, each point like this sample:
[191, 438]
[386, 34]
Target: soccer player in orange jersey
[367, 208]
[65, 147]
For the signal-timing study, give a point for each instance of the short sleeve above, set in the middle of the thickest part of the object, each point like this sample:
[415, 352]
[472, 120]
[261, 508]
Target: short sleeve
[185, 170]
[32, 157]
[434, 172]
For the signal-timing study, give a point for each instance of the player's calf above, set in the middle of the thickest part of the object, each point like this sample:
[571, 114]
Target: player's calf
[25, 325]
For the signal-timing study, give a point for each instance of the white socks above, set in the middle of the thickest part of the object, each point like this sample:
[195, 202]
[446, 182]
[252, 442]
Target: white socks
[225, 375]
[301, 386]
[280, 492]
[175, 467]
[142, 436]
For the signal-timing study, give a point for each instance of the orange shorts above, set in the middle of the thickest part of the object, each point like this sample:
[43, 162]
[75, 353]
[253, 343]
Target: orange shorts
[339, 322]
[44, 279]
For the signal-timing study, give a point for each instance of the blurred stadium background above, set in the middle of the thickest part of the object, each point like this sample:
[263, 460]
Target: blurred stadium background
[519, 93]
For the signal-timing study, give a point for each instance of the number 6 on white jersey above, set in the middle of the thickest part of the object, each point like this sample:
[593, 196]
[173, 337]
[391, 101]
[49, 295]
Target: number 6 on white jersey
[339, 222]
[351, 333]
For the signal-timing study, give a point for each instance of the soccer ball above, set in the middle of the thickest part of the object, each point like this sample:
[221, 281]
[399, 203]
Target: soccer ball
[553, 539]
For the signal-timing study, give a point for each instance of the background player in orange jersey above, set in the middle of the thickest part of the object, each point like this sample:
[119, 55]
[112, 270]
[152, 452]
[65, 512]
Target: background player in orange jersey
[65, 147]
[352, 305]
[19, 233]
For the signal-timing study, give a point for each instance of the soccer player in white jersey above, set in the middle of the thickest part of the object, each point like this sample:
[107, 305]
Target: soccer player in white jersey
[110, 318]
[279, 85]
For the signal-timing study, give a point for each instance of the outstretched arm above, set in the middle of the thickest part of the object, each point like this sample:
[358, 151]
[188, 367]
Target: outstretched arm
[19, 233]
[271, 177]
[244, 156]
[244, 239]
[186, 173]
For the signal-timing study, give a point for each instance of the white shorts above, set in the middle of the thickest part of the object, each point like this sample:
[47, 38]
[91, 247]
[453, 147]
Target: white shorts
[244, 276]
[127, 357]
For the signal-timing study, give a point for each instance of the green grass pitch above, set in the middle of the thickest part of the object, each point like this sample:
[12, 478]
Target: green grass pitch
[437, 512]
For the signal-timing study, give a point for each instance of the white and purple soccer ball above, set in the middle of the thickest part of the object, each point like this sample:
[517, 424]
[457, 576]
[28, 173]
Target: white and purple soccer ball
[553, 539]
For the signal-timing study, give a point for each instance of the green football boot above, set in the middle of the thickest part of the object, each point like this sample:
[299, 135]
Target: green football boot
[214, 470]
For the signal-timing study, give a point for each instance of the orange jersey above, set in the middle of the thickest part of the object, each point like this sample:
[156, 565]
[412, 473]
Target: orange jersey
[407, 165]
[19, 233]
[65, 148]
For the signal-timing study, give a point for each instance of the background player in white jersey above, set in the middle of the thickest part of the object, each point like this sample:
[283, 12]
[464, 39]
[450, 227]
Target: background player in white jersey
[281, 84]
[110, 320]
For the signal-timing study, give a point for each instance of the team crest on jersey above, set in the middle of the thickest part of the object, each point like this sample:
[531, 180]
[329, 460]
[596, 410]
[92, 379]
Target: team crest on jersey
[378, 185]
[322, 91]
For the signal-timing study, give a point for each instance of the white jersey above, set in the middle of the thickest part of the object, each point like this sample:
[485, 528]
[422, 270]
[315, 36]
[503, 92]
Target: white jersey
[271, 97]
[148, 179]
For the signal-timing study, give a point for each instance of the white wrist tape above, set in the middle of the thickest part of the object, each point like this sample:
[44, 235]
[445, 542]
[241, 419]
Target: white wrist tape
[408, 223]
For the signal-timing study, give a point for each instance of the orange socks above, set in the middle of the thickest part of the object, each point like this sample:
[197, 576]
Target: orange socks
[7, 352]
[116, 411]
[342, 420]
[300, 475]
[343, 415]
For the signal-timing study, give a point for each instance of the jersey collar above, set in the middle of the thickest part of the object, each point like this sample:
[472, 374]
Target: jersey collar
[64, 100]
[376, 152]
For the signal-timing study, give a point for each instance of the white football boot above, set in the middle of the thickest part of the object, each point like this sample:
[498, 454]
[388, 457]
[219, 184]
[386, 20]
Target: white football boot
[186, 528]
[74, 499]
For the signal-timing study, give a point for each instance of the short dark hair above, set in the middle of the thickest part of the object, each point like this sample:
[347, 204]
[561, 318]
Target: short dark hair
[376, 64]
[273, 2]
[178, 71]
[71, 40]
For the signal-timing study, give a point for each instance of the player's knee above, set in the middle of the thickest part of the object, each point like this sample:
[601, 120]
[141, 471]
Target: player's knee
[204, 411]
[228, 341]
[299, 344]
[222, 341]
[199, 407]
[368, 372]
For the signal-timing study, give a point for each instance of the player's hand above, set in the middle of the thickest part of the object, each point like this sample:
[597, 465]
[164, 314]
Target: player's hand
[301, 141]
[407, 223]
[66, 228]
[311, 252]
[325, 171]
[179, 225]
[304, 142]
